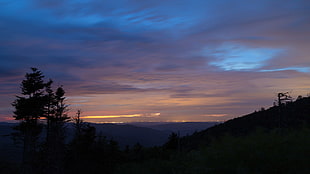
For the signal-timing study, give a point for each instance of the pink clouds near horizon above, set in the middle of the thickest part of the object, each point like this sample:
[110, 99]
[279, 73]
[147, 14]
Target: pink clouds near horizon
[188, 60]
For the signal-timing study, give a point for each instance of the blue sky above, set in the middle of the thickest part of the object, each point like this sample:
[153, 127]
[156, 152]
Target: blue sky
[187, 60]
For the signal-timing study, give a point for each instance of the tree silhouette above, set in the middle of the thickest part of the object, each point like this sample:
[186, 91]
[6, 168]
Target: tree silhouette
[283, 98]
[80, 156]
[56, 117]
[85, 134]
[29, 108]
[78, 124]
[173, 141]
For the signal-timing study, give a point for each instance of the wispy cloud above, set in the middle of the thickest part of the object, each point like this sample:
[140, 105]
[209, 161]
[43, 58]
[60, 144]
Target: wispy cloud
[182, 59]
[215, 115]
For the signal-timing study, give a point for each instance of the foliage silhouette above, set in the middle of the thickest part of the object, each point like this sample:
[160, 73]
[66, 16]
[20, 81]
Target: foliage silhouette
[287, 116]
[250, 144]
[274, 140]
[56, 118]
[89, 153]
[29, 108]
[40, 101]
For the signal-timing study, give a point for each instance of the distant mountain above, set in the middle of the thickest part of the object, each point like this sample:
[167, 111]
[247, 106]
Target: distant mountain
[182, 128]
[146, 134]
[287, 116]
[9, 150]
[130, 134]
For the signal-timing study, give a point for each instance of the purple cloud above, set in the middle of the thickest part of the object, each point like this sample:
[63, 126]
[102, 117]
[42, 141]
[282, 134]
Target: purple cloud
[186, 60]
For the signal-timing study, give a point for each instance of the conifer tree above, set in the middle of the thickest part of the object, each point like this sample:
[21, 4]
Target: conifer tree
[56, 117]
[29, 108]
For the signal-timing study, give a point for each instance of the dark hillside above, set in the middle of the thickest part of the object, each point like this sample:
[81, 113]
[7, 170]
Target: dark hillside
[286, 116]
[275, 140]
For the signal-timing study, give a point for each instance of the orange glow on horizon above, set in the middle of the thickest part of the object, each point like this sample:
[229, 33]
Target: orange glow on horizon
[113, 116]
[146, 115]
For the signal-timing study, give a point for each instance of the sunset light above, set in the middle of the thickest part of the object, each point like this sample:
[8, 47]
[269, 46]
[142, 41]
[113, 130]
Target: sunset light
[113, 116]
[154, 86]
[128, 61]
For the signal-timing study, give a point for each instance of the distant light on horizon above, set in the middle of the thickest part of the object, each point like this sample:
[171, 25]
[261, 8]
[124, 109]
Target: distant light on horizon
[112, 116]
[121, 116]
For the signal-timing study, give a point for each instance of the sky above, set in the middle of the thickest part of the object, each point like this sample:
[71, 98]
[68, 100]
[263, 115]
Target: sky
[157, 61]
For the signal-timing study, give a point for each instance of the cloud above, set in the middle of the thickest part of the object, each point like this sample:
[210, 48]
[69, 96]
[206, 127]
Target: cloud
[110, 88]
[237, 57]
[215, 115]
[182, 59]
[185, 95]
